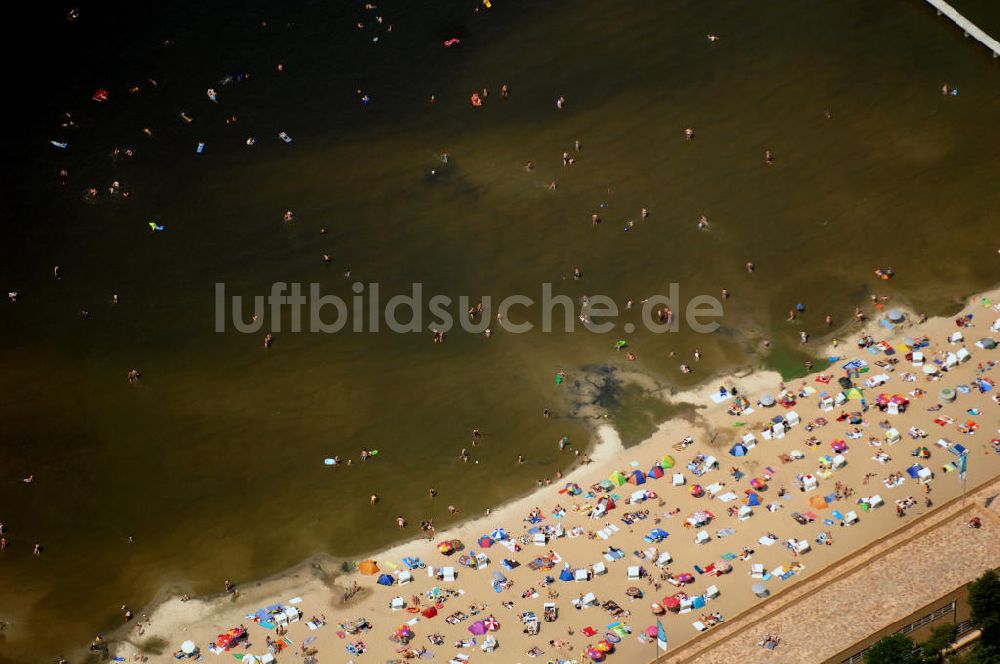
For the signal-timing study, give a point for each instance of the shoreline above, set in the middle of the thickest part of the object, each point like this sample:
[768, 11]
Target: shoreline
[171, 617]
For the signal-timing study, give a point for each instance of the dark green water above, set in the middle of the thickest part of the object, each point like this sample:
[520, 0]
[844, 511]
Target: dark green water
[213, 463]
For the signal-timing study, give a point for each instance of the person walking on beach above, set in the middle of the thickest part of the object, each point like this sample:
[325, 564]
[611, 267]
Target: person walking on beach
[373, 499]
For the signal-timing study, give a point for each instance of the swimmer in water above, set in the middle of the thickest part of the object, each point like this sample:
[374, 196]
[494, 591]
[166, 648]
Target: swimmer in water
[703, 223]
[689, 134]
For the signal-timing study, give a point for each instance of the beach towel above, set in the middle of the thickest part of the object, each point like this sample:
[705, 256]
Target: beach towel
[728, 556]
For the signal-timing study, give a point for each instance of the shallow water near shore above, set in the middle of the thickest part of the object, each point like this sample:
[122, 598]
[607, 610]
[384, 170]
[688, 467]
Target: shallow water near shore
[213, 462]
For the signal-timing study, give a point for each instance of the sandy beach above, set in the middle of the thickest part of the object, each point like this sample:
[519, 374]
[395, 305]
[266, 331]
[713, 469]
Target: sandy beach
[831, 461]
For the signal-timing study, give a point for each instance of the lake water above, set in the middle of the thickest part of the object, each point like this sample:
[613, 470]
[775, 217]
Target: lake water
[213, 463]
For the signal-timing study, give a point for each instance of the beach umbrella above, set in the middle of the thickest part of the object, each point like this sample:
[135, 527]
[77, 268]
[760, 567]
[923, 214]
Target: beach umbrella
[368, 567]
[667, 461]
[853, 394]
[386, 580]
[478, 628]
[656, 472]
[657, 609]
[760, 590]
[697, 491]
[595, 655]
[758, 483]
[767, 401]
[672, 603]
[603, 646]
[492, 624]
[753, 500]
[429, 612]
[485, 542]
[188, 647]
[651, 631]
[566, 575]
[499, 534]
[895, 315]
[618, 478]
[738, 450]
[249, 659]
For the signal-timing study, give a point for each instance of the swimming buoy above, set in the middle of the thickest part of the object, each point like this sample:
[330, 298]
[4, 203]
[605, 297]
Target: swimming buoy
[476, 101]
